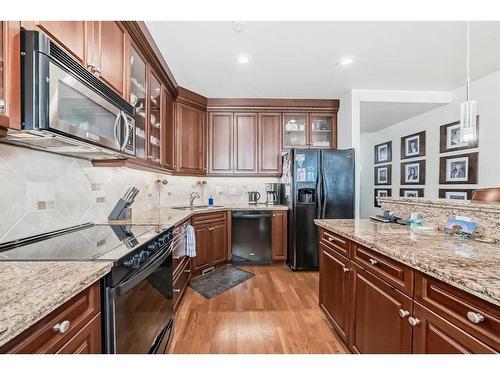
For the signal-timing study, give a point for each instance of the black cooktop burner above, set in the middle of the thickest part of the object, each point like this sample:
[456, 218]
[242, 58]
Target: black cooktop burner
[84, 242]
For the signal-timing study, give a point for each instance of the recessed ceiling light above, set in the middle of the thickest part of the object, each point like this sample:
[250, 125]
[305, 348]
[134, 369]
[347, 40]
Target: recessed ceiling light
[243, 59]
[238, 26]
[344, 61]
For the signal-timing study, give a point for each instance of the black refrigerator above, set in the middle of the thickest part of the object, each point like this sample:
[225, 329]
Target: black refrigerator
[318, 184]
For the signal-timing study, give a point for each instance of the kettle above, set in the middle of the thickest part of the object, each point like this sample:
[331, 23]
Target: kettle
[253, 197]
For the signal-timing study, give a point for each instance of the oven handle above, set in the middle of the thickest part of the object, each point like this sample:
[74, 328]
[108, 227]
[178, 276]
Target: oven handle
[139, 276]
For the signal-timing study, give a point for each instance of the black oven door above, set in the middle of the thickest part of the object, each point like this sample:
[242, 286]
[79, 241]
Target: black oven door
[140, 309]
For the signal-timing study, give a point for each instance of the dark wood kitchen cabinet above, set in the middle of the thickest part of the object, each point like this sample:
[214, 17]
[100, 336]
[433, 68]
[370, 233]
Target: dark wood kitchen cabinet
[269, 144]
[212, 240]
[168, 139]
[334, 289]
[10, 79]
[220, 143]
[245, 143]
[279, 230]
[101, 46]
[392, 308]
[190, 140]
[108, 53]
[435, 335]
[155, 121]
[378, 316]
[70, 35]
[310, 130]
[73, 328]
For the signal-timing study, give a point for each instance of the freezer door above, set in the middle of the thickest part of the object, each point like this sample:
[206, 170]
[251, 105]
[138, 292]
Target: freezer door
[337, 170]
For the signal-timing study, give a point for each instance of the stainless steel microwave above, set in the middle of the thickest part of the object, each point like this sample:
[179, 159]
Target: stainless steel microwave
[66, 109]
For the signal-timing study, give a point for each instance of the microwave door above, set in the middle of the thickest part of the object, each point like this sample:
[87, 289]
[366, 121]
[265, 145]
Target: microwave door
[75, 109]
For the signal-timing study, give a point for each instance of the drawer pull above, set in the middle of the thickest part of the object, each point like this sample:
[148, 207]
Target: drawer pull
[475, 317]
[373, 262]
[187, 270]
[413, 321]
[176, 258]
[403, 313]
[177, 290]
[345, 269]
[331, 239]
[62, 327]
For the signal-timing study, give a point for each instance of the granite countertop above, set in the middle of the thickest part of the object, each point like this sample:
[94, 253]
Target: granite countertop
[168, 217]
[466, 264]
[31, 290]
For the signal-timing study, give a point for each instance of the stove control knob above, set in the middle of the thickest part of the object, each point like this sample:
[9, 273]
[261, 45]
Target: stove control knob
[133, 262]
[153, 246]
[143, 255]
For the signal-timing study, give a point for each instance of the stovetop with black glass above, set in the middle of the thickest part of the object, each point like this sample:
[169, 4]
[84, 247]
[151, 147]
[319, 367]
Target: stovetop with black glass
[82, 243]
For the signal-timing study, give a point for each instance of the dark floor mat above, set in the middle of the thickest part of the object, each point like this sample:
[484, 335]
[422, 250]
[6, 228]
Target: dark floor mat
[218, 281]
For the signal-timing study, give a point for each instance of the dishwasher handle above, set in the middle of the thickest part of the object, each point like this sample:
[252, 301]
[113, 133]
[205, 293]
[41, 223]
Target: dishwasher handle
[250, 215]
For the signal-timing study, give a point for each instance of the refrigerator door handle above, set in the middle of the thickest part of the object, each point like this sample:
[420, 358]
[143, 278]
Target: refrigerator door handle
[323, 188]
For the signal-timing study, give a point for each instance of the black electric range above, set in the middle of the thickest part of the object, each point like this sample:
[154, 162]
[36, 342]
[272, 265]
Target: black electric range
[137, 293]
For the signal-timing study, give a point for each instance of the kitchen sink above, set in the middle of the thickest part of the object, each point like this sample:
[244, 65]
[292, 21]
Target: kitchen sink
[195, 207]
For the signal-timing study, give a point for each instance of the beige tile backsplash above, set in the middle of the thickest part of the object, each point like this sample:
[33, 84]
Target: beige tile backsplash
[41, 191]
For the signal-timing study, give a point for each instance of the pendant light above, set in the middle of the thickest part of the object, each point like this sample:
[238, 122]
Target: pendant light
[468, 109]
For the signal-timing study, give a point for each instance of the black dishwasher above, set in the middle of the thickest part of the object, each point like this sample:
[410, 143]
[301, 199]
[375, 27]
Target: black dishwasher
[251, 237]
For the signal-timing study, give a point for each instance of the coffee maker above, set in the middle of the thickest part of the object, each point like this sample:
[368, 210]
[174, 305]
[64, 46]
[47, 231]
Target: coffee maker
[275, 193]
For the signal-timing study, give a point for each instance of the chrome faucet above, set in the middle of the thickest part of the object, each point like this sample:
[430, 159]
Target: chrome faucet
[192, 197]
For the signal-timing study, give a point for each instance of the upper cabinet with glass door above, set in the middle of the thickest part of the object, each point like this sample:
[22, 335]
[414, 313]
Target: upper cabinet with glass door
[155, 119]
[2, 71]
[322, 131]
[138, 100]
[309, 130]
[295, 130]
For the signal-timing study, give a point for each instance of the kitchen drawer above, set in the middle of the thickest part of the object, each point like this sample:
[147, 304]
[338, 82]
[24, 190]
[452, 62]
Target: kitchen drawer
[42, 338]
[181, 282]
[209, 217]
[454, 305]
[336, 242]
[396, 274]
[86, 341]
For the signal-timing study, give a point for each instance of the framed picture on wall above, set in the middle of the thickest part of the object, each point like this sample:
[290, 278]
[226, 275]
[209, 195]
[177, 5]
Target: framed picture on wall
[461, 194]
[413, 173]
[383, 152]
[411, 193]
[383, 175]
[381, 193]
[449, 137]
[458, 169]
[413, 145]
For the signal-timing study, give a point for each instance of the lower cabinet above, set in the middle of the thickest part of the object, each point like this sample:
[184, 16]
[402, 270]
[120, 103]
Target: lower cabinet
[212, 240]
[435, 335]
[334, 289]
[279, 230]
[408, 312]
[379, 316]
[74, 327]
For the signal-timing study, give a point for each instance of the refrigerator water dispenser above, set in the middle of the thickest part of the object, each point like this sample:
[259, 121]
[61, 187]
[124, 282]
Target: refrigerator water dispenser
[306, 196]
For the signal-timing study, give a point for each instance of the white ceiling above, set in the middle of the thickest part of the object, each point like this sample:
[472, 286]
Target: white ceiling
[299, 59]
[376, 115]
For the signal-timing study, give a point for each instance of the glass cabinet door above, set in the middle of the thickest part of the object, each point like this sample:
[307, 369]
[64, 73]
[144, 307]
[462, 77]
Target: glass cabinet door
[138, 100]
[154, 93]
[322, 131]
[294, 130]
[2, 71]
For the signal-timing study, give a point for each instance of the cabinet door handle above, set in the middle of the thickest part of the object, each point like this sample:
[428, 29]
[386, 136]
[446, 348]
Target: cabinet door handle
[176, 258]
[475, 317]
[345, 269]
[403, 313]
[413, 321]
[187, 270]
[373, 262]
[62, 327]
[177, 290]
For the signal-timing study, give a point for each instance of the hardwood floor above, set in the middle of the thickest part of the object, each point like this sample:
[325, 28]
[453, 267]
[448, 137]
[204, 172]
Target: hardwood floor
[274, 312]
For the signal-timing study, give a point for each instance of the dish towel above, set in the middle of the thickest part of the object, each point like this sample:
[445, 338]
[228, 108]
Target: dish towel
[190, 242]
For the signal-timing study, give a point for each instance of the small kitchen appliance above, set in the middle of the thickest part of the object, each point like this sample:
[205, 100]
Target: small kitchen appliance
[274, 193]
[253, 197]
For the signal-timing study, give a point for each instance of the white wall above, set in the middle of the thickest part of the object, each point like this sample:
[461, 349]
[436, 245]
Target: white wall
[487, 93]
